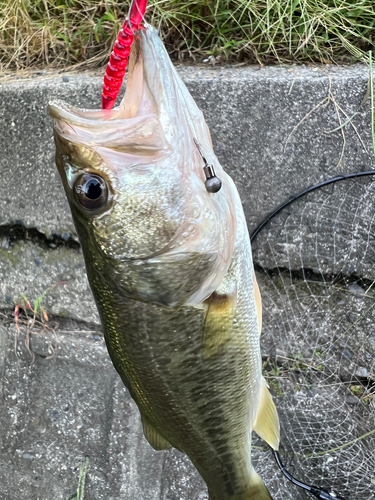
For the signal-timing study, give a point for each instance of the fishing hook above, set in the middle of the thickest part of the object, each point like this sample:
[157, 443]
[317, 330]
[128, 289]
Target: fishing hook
[317, 492]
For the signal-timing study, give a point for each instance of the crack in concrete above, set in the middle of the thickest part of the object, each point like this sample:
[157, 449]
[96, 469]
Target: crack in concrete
[19, 232]
[308, 274]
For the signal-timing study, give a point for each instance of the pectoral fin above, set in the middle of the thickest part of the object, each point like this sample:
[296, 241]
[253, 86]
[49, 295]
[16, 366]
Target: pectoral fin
[218, 324]
[153, 437]
[266, 423]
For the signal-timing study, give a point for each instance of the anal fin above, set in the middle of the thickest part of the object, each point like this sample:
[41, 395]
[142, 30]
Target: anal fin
[266, 423]
[153, 437]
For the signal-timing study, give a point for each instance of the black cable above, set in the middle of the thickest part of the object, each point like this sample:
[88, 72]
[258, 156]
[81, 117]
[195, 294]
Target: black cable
[317, 492]
[303, 193]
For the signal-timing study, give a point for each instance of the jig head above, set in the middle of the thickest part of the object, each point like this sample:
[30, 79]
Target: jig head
[213, 184]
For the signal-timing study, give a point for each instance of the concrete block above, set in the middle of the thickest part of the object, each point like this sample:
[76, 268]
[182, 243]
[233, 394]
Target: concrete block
[29, 269]
[270, 129]
[70, 405]
[274, 131]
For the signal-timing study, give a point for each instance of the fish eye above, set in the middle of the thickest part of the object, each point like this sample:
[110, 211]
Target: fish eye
[91, 191]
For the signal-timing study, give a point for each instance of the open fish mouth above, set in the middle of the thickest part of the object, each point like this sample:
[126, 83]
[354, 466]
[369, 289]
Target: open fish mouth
[139, 135]
[147, 150]
[156, 113]
[135, 126]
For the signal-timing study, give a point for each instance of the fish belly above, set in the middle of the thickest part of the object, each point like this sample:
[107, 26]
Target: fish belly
[199, 395]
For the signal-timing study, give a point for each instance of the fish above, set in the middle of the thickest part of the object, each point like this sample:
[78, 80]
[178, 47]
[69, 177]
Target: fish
[170, 267]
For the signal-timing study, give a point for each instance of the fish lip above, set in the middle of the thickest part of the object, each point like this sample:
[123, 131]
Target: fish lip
[61, 110]
[140, 135]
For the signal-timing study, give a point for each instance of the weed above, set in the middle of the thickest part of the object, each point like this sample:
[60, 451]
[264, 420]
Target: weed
[276, 386]
[371, 88]
[365, 394]
[272, 374]
[38, 310]
[63, 33]
[81, 481]
[39, 314]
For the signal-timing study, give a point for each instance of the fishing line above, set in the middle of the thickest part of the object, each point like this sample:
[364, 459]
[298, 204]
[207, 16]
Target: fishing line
[128, 17]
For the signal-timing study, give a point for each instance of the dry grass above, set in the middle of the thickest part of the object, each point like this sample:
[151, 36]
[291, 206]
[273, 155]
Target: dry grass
[63, 33]
[39, 33]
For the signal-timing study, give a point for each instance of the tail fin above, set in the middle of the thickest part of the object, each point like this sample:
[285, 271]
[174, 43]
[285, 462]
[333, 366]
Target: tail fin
[257, 491]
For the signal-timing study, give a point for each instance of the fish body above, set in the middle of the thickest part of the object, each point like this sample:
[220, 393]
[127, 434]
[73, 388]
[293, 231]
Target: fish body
[171, 271]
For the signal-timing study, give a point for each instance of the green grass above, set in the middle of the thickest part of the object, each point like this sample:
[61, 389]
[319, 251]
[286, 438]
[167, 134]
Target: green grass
[62, 33]
[80, 495]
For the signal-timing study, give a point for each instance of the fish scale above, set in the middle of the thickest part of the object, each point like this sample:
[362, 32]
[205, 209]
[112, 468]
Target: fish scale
[170, 267]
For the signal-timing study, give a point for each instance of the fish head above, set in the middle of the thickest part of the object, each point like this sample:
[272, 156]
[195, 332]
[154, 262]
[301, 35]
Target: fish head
[136, 186]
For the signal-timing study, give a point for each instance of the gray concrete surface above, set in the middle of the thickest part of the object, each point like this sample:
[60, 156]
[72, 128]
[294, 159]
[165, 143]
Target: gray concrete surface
[28, 269]
[69, 405]
[268, 131]
[303, 318]
[59, 410]
[251, 114]
[330, 231]
[272, 131]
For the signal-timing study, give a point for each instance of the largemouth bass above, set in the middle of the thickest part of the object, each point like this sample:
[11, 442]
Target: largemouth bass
[171, 270]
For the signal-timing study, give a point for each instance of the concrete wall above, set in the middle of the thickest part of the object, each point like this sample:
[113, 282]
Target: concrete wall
[271, 130]
[251, 114]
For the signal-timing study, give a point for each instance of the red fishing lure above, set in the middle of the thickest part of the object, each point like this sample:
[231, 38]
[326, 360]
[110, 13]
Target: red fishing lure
[118, 61]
